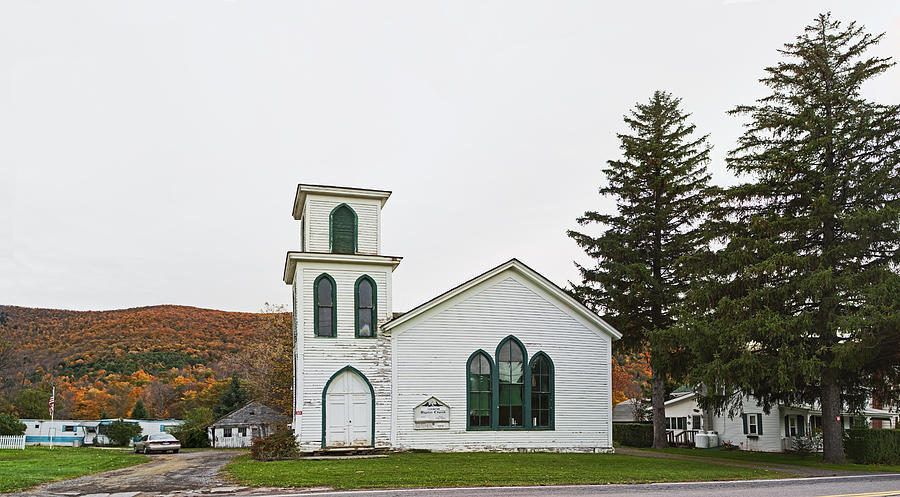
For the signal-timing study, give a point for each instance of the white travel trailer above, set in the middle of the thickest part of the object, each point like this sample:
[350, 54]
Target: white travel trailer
[77, 432]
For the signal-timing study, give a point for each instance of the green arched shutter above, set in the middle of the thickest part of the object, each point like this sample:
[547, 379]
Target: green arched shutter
[343, 230]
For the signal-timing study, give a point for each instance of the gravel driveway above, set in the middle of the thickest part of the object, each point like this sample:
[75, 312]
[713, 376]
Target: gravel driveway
[166, 474]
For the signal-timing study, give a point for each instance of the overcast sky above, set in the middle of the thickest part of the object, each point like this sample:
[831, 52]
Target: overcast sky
[149, 151]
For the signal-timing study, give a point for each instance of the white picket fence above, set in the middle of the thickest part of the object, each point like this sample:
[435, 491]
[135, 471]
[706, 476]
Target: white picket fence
[12, 442]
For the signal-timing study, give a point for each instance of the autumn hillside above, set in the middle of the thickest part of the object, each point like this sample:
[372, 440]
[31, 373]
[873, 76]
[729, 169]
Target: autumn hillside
[171, 358]
[103, 361]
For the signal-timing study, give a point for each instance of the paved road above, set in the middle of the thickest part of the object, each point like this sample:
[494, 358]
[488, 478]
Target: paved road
[844, 486]
[164, 474]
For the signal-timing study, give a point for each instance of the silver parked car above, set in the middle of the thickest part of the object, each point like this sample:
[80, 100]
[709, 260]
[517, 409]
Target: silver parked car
[162, 442]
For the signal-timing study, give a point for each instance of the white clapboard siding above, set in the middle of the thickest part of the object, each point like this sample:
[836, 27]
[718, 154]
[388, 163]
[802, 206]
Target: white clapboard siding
[12, 442]
[317, 220]
[684, 409]
[321, 357]
[731, 429]
[430, 360]
[234, 441]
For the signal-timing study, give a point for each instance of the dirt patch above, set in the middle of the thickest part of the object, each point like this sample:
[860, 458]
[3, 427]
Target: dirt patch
[164, 474]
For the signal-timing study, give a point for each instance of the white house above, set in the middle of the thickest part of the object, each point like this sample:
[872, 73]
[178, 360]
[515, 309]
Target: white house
[240, 427]
[753, 429]
[505, 361]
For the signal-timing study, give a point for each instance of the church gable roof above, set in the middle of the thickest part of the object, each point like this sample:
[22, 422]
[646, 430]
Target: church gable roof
[537, 282]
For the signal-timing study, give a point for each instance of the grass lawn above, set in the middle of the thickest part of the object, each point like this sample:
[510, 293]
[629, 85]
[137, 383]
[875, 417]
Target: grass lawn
[478, 469]
[814, 461]
[22, 469]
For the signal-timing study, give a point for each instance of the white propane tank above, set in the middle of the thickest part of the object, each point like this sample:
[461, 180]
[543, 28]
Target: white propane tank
[701, 440]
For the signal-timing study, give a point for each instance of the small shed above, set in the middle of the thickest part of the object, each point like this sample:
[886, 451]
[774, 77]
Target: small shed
[238, 428]
[632, 411]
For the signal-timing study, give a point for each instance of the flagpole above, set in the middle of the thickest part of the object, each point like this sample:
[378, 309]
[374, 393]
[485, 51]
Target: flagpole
[52, 429]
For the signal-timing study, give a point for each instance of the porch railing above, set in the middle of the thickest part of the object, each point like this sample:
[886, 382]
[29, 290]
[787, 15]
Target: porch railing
[681, 438]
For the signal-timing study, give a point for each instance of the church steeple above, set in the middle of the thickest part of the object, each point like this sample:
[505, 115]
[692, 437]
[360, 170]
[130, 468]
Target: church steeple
[339, 220]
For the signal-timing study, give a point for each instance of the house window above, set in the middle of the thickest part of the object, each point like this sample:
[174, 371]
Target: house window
[815, 423]
[343, 230]
[792, 426]
[479, 390]
[325, 323]
[695, 422]
[511, 375]
[242, 431]
[366, 315]
[677, 423]
[752, 427]
[541, 391]
[226, 432]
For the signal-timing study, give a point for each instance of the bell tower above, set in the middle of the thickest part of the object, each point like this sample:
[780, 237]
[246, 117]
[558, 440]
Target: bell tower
[341, 295]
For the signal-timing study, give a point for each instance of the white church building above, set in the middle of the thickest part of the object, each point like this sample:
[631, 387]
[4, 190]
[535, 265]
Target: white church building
[504, 361]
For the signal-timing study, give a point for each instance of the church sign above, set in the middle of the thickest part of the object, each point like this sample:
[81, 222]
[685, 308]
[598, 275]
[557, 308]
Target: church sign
[432, 415]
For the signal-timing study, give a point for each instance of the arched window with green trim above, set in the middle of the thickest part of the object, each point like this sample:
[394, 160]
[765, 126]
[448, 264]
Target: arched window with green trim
[325, 303]
[479, 376]
[513, 388]
[366, 299]
[541, 369]
[343, 230]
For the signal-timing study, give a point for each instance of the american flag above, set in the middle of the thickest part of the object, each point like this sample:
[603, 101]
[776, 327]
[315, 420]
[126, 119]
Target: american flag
[52, 396]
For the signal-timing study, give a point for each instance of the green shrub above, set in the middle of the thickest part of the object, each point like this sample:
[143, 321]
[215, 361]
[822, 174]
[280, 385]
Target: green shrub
[867, 446]
[279, 445]
[121, 432]
[193, 439]
[633, 434]
[806, 445]
[10, 425]
[192, 433]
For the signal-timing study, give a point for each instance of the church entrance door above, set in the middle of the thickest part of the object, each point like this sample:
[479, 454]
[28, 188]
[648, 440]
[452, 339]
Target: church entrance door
[348, 410]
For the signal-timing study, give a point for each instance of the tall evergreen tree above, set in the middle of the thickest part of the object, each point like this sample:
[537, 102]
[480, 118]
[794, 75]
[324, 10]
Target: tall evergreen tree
[802, 304]
[661, 191]
[139, 411]
[233, 398]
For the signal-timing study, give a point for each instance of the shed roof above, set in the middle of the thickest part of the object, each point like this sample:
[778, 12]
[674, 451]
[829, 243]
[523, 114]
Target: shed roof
[254, 413]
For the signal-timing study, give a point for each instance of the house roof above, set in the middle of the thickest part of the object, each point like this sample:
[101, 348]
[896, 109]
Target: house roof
[521, 269]
[680, 398]
[683, 389]
[338, 191]
[813, 409]
[253, 413]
